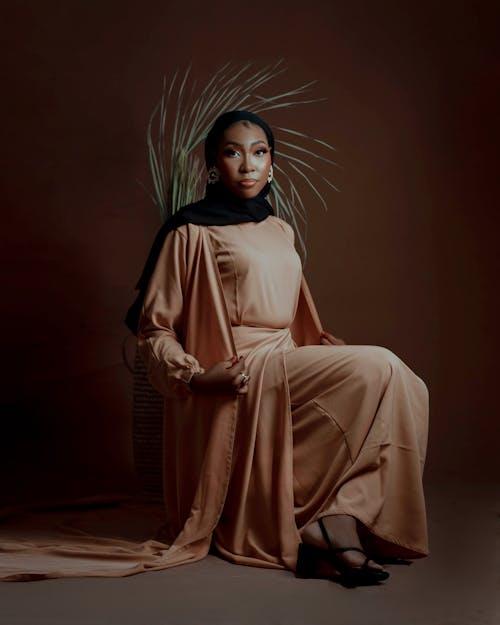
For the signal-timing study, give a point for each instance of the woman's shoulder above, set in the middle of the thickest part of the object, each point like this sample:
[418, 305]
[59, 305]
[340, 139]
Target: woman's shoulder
[283, 225]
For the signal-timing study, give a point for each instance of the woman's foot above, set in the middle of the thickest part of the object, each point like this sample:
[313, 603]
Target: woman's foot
[342, 532]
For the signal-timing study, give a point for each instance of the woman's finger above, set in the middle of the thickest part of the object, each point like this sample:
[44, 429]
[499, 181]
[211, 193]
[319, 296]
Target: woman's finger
[238, 367]
[244, 378]
[327, 338]
[231, 362]
[240, 382]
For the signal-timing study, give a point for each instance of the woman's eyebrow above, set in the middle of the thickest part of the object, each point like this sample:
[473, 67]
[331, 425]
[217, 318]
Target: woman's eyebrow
[240, 145]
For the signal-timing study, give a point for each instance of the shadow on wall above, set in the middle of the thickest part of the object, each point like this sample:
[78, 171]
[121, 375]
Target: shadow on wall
[66, 398]
[68, 440]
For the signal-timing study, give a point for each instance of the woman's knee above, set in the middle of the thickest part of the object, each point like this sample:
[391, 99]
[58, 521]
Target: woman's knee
[375, 364]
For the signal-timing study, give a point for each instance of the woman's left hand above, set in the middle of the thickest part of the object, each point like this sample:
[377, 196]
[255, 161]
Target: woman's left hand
[328, 339]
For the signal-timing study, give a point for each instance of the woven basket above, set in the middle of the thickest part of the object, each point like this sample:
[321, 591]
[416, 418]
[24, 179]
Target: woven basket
[147, 432]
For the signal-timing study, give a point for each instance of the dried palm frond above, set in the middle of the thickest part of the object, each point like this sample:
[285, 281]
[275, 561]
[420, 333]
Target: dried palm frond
[183, 117]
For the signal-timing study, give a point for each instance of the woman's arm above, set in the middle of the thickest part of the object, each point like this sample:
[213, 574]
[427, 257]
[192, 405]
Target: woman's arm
[170, 368]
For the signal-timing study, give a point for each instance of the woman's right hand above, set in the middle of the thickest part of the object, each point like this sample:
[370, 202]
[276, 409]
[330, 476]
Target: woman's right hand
[224, 377]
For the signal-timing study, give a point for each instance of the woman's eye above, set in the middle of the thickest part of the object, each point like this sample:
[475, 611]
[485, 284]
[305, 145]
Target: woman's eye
[230, 152]
[261, 151]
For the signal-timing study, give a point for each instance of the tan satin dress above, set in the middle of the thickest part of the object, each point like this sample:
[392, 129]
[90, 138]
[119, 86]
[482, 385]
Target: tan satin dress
[322, 430]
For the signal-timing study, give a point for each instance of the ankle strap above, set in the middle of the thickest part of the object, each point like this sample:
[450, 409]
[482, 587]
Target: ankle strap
[329, 542]
[325, 534]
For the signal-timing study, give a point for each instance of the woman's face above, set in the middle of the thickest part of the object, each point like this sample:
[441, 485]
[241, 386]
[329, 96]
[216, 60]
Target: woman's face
[244, 159]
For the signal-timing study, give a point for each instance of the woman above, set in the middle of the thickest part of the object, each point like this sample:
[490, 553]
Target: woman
[283, 446]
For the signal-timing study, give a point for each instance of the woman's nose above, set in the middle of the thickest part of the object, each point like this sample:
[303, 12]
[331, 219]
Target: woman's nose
[246, 164]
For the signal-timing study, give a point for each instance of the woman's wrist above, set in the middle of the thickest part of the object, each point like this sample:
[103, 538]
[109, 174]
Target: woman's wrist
[193, 380]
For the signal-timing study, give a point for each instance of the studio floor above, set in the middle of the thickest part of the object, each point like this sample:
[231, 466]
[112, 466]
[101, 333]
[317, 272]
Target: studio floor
[457, 585]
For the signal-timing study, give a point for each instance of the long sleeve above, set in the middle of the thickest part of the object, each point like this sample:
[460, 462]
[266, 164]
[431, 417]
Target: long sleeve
[170, 368]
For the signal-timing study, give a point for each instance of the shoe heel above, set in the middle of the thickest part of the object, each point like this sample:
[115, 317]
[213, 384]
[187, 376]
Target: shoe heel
[306, 561]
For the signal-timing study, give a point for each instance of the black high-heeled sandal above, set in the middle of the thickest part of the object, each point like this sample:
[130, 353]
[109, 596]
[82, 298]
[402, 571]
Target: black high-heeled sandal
[320, 564]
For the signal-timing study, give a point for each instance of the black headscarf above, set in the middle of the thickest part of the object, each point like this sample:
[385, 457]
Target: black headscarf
[219, 207]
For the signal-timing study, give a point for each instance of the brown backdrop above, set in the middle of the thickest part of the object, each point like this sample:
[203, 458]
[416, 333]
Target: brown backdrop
[405, 257]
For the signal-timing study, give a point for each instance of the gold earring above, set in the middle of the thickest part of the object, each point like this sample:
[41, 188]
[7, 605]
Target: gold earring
[270, 174]
[213, 175]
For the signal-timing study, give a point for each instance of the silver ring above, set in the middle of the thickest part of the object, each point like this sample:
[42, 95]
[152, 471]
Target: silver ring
[244, 378]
